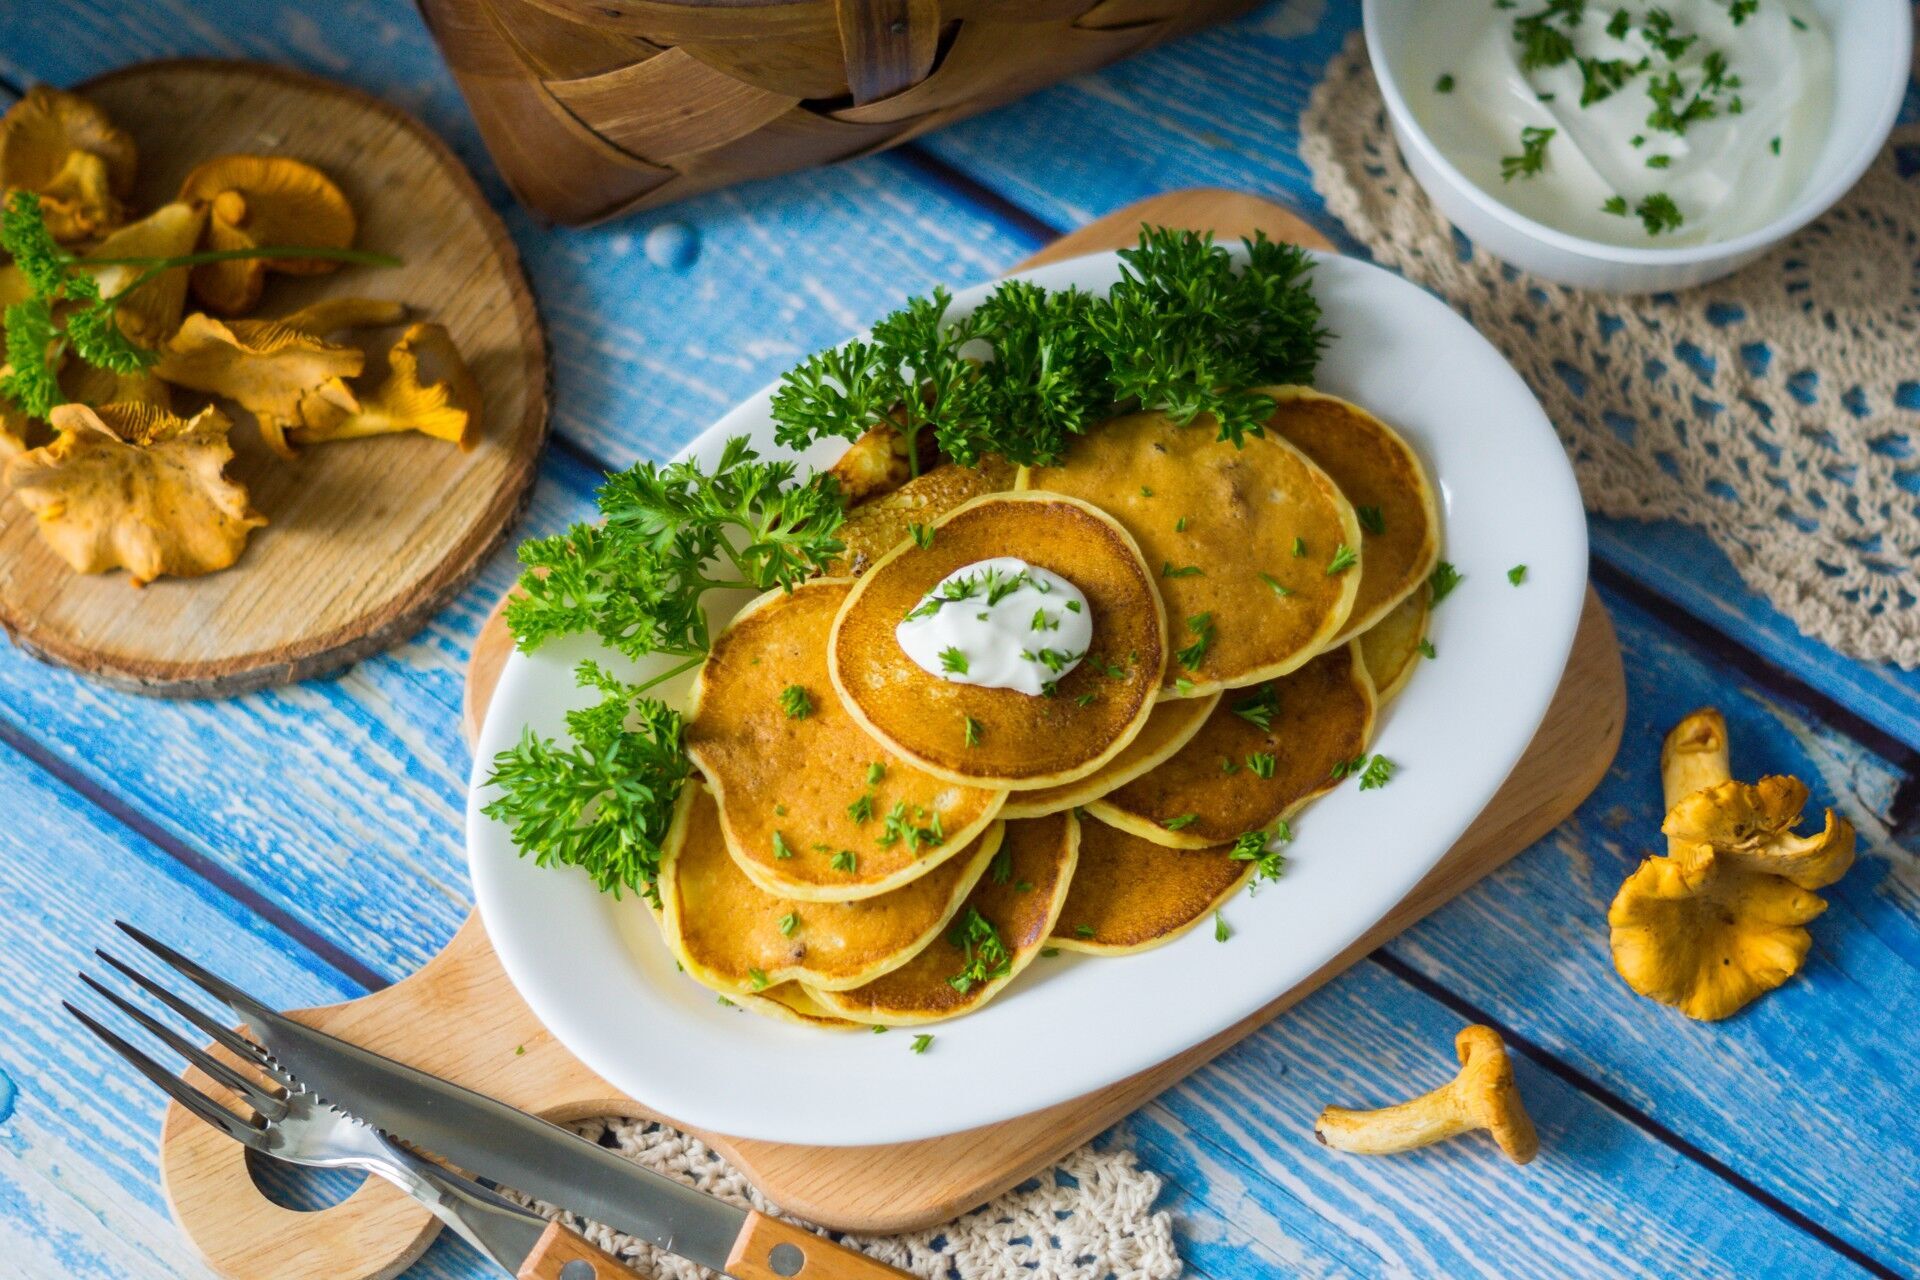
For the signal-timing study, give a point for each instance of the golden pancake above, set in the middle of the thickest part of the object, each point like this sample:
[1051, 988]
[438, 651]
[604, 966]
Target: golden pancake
[1390, 648]
[789, 1002]
[883, 522]
[1382, 477]
[1173, 721]
[1248, 543]
[1235, 776]
[733, 936]
[813, 807]
[998, 931]
[988, 737]
[1130, 894]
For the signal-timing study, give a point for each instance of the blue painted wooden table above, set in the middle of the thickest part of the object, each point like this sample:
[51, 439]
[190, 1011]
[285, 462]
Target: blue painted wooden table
[310, 838]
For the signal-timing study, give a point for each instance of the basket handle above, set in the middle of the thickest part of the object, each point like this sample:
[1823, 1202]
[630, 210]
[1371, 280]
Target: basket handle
[888, 44]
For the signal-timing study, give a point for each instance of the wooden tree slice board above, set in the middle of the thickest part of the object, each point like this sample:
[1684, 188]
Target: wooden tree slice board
[366, 539]
[461, 1018]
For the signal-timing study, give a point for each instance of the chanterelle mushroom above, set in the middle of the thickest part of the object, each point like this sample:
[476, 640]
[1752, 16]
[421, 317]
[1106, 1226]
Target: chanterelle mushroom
[150, 313]
[285, 377]
[428, 389]
[1482, 1096]
[260, 202]
[1720, 920]
[132, 486]
[66, 149]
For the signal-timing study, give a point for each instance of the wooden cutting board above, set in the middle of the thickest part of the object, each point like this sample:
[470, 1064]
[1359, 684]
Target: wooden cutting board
[365, 539]
[461, 1018]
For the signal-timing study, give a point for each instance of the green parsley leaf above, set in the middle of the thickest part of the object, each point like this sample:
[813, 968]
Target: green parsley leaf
[1533, 154]
[796, 702]
[1220, 930]
[1371, 519]
[1427, 650]
[1299, 547]
[972, 730]
[1517, 574]
[1083, 931]
[845, 860]
[1257, 847]
[861, 810]
[1441, 582]
[781, 849]
[1444, 84]
[1167, 570]
[1262, 763]
[759, 979]
[986, 956]
[1378, 771]
[1658, 213]
[1616, 205]
[875, 772]
[953, 660]
[1181, 823]
[922, 535]
[1258, 710]
[1000, 870]
[789, 922]
[1201, 625]
[922, 1042]
[1344, 558]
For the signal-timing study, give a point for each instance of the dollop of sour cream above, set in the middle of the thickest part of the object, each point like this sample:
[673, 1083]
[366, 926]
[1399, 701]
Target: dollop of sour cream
[1000, 623]
[1764, 84]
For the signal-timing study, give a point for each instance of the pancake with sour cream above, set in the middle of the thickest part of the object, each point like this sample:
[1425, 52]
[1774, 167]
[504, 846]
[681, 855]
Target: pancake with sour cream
[812, 806]
[736, 938]
[1018, 643]
[1261, 755]
[997, 932]
[1254, 548]
[1130, 894]
[1382, 477]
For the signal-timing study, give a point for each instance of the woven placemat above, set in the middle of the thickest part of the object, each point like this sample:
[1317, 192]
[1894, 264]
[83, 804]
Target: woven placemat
[1091, 1217]
[1778, 410]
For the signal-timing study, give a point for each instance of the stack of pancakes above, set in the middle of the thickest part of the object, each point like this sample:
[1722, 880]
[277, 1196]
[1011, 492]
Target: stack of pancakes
[903, 847]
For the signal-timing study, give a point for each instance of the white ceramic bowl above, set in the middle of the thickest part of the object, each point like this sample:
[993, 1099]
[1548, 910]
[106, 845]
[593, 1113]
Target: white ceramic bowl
[1872, 45]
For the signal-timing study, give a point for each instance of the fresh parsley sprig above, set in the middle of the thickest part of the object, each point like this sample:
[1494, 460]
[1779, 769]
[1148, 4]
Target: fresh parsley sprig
[602, 803]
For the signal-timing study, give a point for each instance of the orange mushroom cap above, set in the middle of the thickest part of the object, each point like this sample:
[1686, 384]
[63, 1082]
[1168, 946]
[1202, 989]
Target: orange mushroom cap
[73, 156]
[256, 202]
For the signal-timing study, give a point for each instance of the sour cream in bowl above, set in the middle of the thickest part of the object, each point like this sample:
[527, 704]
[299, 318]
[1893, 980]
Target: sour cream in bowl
[1633, 146]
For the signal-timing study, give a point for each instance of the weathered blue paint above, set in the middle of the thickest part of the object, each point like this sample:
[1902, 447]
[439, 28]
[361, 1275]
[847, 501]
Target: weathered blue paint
[336, 813]
[9, 1094]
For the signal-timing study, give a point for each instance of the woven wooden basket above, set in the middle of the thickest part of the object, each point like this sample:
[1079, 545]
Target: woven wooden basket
[593, 108]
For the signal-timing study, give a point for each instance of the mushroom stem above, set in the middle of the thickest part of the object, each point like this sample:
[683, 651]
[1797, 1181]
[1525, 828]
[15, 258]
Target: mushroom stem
[1482, 1096]
[1694, 756]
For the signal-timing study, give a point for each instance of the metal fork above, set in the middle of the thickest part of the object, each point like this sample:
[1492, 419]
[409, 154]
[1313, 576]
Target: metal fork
[291, 1124]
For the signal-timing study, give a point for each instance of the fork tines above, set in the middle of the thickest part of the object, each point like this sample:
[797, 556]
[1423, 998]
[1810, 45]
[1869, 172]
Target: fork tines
[267, 1105]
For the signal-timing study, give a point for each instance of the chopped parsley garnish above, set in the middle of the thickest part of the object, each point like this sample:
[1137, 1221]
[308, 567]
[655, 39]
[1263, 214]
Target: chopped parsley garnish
[1023, 886]
[861, 810]
[1517, 574]
[875, 772]
[987, 958]
[1201, 625]
[1299, 547]
[1659, 162]
[1145, 492]
[789, 922]
[1542, 44]
[1276, 586]
[1167, 570]
[1180, 823]
[796, 702]
[1253, 846]
[1258, 710]
[953, 660]
[922, 1042]
[1378, 771]
[1073, 606]
[1343, 768]
[1615, 205]
[759, 979]
[1774, 146]
[896, 827]
[1741, 10]
[1344, 558]
[1442, 581]
[1533, 154]
[1220, 930]
[1659, 213]
[1180, 525]
[1617, 26]
[971, 727]
[1659, 31]
[1673, 109]
[1000, 870]
[1086, 699]
[1083, 931]
[1229, 766]
[1371, 519]
[1444, 84]
[922, 535]
[1262, 763]
[1601, 78]
[845, 860]
[1427, 650]
[1048, 953]
[1044, 621]
[1111, 670]
[781, 849]
[1054, 660]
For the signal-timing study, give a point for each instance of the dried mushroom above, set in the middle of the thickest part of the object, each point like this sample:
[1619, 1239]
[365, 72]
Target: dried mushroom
[14, 428]
[258, 202]
[286, 377]
[1721, 919]
[64, 148]
[132, 486]
[1482, 1096]
[336, 315]
[151, 311]
[428, 389]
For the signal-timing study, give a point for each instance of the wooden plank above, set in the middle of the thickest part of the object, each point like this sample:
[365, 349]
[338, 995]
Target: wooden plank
[1794, 1091]
[79, 1192]
[1602, 1199]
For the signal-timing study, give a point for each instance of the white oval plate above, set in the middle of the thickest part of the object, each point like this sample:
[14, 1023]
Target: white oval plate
[597, 974]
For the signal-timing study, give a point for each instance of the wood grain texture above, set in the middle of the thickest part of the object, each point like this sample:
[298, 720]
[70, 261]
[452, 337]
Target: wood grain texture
[564, 1255]
[772, 1249]
[334, 809]
[366, 539]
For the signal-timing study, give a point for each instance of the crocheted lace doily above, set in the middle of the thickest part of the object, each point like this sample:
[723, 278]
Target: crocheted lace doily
[1089, 1218]
[1778, 410]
